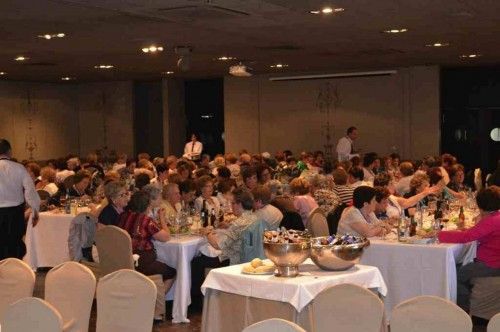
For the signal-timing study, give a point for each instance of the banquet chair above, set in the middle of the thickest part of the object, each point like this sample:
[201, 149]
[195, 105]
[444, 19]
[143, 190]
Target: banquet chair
[114, 247]
[17, 281]
[316, 223]
[292, 220]
[43, 194]
[494, 324]
[485, 297]
[31, 314]
[275, 325]
[125, 302]
[70, 288]
[347, 307]
[81, 236]
[431, 314]
[69, 182]
[333, 218]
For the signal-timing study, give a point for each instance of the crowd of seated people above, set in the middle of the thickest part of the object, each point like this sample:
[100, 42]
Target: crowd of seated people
[142, 195]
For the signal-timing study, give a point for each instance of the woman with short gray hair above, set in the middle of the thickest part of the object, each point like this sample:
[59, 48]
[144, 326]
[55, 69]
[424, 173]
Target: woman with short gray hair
[154, 194]
[118, 196]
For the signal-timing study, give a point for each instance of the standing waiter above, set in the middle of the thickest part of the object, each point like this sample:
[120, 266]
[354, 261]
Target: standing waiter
[16, 189]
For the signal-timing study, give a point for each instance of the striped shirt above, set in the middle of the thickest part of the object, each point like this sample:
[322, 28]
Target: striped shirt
[344, 192]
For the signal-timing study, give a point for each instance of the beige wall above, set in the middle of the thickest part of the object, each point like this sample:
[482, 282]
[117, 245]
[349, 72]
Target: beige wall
[66, 118]
[398, 112]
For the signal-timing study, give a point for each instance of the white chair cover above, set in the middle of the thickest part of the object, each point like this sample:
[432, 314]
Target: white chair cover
[31, 314]
[274, 325]
[347, 307]
[81, 234]
[494, 324]
[70, 288]
[125, 302]
[317, 223]
[485, 297]
[17, 281]
[430, 314]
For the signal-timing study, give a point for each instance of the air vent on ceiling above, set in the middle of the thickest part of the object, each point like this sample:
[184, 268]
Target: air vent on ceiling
[201, 12]
[39, 64]
[280, 48]
[372, 52]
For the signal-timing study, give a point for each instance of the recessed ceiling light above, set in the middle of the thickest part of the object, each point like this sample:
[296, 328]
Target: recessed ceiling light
[49, 36]
[470, 56]
[21, 58]
[167, 72]
[152, 49]
[2, 73]
[438, 44]
[327, 10]
[394, 31]
[67, 78]
[104, 66]
[226, 58]
[279, 65]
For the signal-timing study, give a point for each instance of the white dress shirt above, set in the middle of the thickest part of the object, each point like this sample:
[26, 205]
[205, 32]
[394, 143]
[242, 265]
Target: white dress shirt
[16, 186]
[344, 149]
[192, 150]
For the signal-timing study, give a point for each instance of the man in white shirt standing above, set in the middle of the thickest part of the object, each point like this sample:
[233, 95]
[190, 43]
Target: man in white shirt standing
[193, 149]
[16, 188]
[345, 145]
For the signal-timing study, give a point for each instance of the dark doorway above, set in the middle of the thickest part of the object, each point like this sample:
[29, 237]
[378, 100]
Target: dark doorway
[148, 118]
[470, 109]
[205, 113]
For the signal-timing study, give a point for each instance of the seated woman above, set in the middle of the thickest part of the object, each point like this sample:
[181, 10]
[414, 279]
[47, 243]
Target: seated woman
[81, 182]
[155, 201]
[142, 230]
[225, 194]
[47, 182]
[171, 199]
[360, 219]
[437, 177]
[188, 193]
[419, 190]
[487, 233]
[118, 197]
[206, 187]
[227, 241]
[302, 200]
[457, 177]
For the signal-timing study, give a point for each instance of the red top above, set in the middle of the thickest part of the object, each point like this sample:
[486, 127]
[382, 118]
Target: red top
[140, 227]
[486, 232]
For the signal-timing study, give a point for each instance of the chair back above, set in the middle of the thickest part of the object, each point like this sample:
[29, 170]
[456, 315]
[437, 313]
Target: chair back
[31, 314]
[333, 218]
[275, 325]
[292, 220]
[81, 234]
[317, 223]
[333, 307]
[68, 182]
[70, 288]
[17, 281]
[252, 245]
[485, 297]
[494, 324]
[431, 314]
[44, 194]
[125, 302]
[114, 246]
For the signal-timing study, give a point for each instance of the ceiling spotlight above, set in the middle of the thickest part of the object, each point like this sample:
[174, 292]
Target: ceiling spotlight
[279, 65]
[2, 73]
[394, 31]
[21, 58]
[67, 78]
[104, 66]
[438, 44]
[470, 56]
[49, 36]
[226, 58]
[327, 10]
[152, 49]
[167, 72]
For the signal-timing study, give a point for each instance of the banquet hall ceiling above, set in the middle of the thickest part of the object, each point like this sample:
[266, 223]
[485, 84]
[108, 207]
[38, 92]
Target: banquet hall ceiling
[258, 32]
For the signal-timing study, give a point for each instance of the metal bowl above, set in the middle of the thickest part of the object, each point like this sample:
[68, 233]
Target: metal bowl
[287, 256]
[336, 257]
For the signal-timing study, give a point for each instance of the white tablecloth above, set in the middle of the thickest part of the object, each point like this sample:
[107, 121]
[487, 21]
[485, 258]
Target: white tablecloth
[298, 291]
[47, 242]
[412, 270]
[178, 253]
